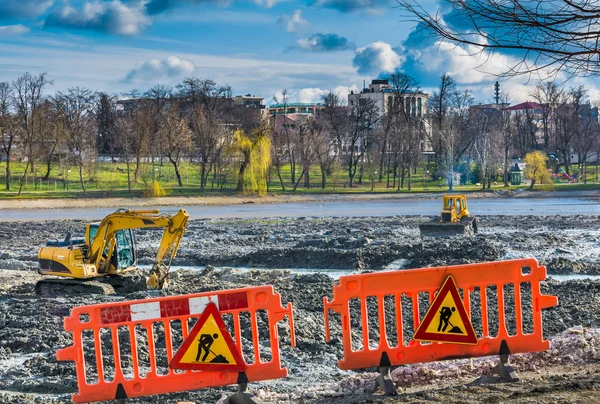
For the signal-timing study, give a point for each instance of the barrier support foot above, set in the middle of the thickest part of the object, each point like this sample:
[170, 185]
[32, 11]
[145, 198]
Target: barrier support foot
[503, 368]
[384, 380]
[242, 397]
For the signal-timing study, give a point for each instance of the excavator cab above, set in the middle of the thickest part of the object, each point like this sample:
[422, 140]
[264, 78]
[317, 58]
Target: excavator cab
[455, 219]
[124, 255]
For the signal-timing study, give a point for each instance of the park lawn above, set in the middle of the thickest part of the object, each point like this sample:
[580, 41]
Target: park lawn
[110, 180]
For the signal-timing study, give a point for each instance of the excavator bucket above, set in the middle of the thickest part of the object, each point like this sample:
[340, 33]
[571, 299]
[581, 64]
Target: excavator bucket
[467, 226]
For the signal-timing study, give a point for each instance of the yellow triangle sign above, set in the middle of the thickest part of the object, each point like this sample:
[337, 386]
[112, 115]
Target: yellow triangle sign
[209, 346]
[447, 319]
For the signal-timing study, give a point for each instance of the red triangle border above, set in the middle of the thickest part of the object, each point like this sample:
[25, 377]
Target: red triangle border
[449, 286]
[240, 364]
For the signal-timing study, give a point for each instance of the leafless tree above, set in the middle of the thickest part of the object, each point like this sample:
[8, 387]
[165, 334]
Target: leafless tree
[78, 111]
[398, 112]
[306, 136]
[548, 94]
[8, 127]
[53, 136]
[175, 138]
[549, 34]
[358, 136]
[283, 102]
[28, 97]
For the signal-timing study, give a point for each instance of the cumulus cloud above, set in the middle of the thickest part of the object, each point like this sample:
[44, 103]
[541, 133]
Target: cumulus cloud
[154, 69]
[113, 17]
[346, 6]
[378, 57]
[315, 94]
[293, 22]
[324, 43]
[23, 9]
[13, 30]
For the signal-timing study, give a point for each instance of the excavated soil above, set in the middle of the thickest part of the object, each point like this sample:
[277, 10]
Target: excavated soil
[31, 328]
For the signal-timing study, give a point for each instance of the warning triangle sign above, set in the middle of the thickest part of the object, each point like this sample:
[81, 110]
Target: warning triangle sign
[447, 320]
[209, 346]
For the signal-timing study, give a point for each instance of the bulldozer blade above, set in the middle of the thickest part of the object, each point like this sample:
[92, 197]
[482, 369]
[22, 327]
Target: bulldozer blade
[444, 229]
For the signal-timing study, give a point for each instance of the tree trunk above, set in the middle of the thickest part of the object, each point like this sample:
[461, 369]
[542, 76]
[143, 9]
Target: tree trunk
[506, 166]
[8, 171]
[307, 178]
[323, 177]
[243, 166]
[409, 178]
[48, 167]
[81, 177]
[280, 179]
[176, 171]
[202, 171]
[23, 177]
[532, 184]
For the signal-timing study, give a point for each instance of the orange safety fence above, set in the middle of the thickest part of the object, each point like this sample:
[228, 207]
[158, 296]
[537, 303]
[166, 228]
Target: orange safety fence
[513, 313]
[123, 349]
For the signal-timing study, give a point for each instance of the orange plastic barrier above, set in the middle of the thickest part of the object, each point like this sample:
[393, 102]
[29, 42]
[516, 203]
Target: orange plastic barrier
[391, 343]
[134, 342]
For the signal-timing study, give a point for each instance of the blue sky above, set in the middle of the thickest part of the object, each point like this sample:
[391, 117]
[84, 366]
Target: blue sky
[256, 46]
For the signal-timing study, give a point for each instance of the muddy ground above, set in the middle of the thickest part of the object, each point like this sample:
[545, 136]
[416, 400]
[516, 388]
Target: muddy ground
[31, 328]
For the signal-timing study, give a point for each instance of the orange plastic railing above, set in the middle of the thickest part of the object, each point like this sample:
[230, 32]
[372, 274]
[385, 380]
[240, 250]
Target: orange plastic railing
[117, 365]
[405, 350]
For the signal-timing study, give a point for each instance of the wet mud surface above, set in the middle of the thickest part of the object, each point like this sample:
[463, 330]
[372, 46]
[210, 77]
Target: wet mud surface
[31, 328]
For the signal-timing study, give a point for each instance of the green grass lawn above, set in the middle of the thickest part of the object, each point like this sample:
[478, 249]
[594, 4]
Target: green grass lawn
[110, 179]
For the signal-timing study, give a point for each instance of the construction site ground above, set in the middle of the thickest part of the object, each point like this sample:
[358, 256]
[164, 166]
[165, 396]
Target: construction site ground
[230, 253]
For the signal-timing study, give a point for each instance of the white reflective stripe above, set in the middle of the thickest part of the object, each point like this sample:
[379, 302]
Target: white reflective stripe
[145, 311]
[198, 304]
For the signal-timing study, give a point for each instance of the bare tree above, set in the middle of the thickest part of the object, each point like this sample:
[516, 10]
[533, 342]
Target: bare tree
[550, 34]
[548, 94]
[78, 110]
[8, 127]
[175, 138]
[283, 102]
[397, 112]
[28, 97]
[52, 136]
[358, 136]
[438, 106]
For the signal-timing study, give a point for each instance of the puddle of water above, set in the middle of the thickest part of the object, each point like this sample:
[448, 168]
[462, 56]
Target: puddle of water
[574, 277]
[333, 273]
[336, 273]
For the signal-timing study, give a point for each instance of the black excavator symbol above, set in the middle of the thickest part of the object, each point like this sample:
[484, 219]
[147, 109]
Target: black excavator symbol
[204, 344]
[445, 315]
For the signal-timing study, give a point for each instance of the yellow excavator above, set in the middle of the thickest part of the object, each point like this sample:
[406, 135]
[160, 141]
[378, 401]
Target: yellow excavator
[108, 252]
[455, 219]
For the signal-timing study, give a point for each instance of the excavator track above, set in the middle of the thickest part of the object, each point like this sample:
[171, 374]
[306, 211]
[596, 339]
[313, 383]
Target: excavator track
[56, 287]
[110, 285]
[467, 227]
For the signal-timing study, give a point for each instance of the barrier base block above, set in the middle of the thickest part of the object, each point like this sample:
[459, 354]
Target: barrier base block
[384, 380]
[503, 368]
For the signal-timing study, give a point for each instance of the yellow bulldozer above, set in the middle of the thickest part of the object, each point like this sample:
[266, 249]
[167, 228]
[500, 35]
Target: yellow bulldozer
[108, 253]
[455, 219]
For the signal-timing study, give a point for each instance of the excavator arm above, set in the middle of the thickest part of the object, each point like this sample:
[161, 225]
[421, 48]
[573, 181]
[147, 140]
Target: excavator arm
[139, 219]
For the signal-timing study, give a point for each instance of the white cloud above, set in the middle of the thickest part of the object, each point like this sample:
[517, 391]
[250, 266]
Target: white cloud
[315, 94]
[13, 30]
[113, 17]
[154, 69]
[378, 57]
[269, 3]
[293, 22]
